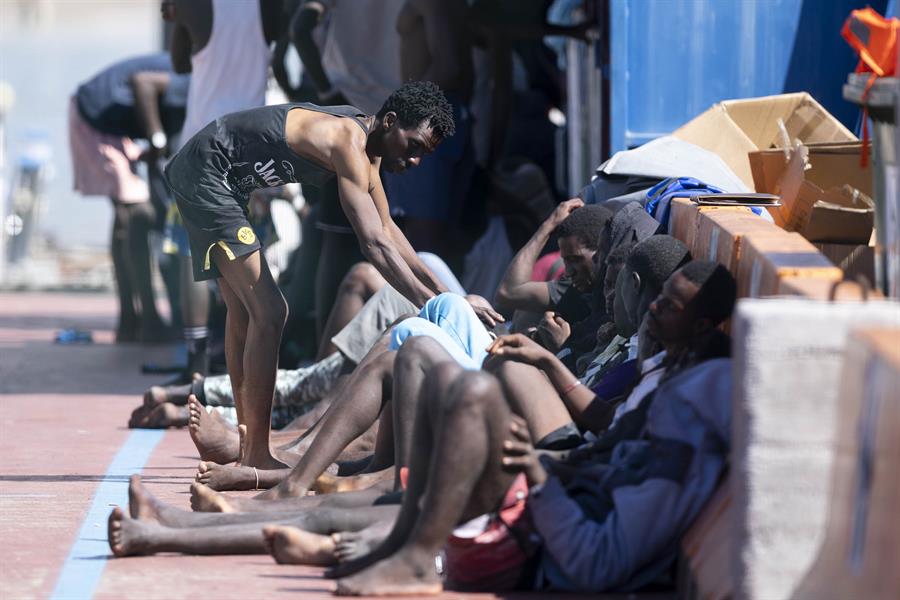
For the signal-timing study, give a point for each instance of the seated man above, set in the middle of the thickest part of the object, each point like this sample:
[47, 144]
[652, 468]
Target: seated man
[589, 514]
[577, 229]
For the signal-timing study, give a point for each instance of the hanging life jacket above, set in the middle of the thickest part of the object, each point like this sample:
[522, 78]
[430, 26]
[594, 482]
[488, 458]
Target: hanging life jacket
[875, 40]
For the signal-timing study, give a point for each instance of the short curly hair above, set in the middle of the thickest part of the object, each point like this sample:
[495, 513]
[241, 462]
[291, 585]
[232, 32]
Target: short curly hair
[585, 224]
[420, 101]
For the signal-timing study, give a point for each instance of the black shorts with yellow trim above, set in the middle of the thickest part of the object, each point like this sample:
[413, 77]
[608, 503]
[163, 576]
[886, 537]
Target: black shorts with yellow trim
[235, 239]
[214, 216]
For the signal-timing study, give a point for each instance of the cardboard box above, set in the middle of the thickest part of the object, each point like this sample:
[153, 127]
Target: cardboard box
[684, 218]
[853, 259]
[719, 236]
[837, 214]
[816, 288]
[766, 259]
[831, 165]
[734, 128]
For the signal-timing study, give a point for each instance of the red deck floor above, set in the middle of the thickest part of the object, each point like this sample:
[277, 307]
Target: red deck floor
[63, 411]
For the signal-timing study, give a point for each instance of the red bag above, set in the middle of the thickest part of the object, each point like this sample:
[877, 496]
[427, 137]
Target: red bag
[495, 559]
[875, 40]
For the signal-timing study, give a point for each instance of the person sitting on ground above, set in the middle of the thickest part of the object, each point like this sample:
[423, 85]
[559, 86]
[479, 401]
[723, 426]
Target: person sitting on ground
[577, 229]
[584, 522]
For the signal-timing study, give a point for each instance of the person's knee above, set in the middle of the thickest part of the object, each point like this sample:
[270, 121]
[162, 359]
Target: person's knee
[363, 279]
[417, 349]
[269, 313]
[474, 392]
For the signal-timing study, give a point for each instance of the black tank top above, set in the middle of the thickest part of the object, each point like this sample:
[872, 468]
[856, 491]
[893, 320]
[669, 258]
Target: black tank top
[258, 154]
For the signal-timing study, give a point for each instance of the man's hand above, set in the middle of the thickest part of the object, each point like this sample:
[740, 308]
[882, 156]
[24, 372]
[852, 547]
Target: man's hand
[519, 455]
[483, 310]
[563, 210]
[553, 331]
[519, 348]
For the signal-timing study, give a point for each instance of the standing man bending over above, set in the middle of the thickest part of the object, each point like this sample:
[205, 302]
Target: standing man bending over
[216, 170]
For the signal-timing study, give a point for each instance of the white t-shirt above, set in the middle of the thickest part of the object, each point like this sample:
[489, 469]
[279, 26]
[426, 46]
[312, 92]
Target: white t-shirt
[362, 50]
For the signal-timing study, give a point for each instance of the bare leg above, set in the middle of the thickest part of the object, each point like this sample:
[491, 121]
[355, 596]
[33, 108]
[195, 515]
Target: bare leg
[204, 499]
[416, 359]
[449, 482]
[129, 536]
[346, 419]
[533, 397]
[126, 329]
[140, 223]
[256, 315]
[356, 288]
[340, 251]
[144, 506]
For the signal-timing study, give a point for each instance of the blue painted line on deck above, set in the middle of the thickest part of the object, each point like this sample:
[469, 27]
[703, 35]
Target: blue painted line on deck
[84, 566]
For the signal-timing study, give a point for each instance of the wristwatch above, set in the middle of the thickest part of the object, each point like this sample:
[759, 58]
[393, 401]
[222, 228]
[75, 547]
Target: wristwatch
[159, 140]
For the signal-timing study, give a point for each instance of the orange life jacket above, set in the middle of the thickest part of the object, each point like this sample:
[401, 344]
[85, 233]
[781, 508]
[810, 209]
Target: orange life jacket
[875, 40]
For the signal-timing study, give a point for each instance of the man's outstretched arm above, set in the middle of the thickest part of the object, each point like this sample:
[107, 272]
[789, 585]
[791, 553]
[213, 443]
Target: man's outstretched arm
[517, 291]
[483, 309]
[376, 240]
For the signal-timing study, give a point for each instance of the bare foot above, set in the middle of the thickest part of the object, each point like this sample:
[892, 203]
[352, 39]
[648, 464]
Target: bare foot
[142, 504]
[234, 478]
[292, 546]
[127, 536]
[204, 499]
[214, 438]
[329, 484]
[403, 574]
[139, 416]
[155, 396]
[351, 545]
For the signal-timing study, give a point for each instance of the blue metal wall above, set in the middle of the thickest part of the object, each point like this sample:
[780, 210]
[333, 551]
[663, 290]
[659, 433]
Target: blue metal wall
[672, 59]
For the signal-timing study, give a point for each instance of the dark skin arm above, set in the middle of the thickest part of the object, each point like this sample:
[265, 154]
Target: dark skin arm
[148, 87]
[578, 399]
[369, 216]
[302, 26]
[517, 291]
[180, 49]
